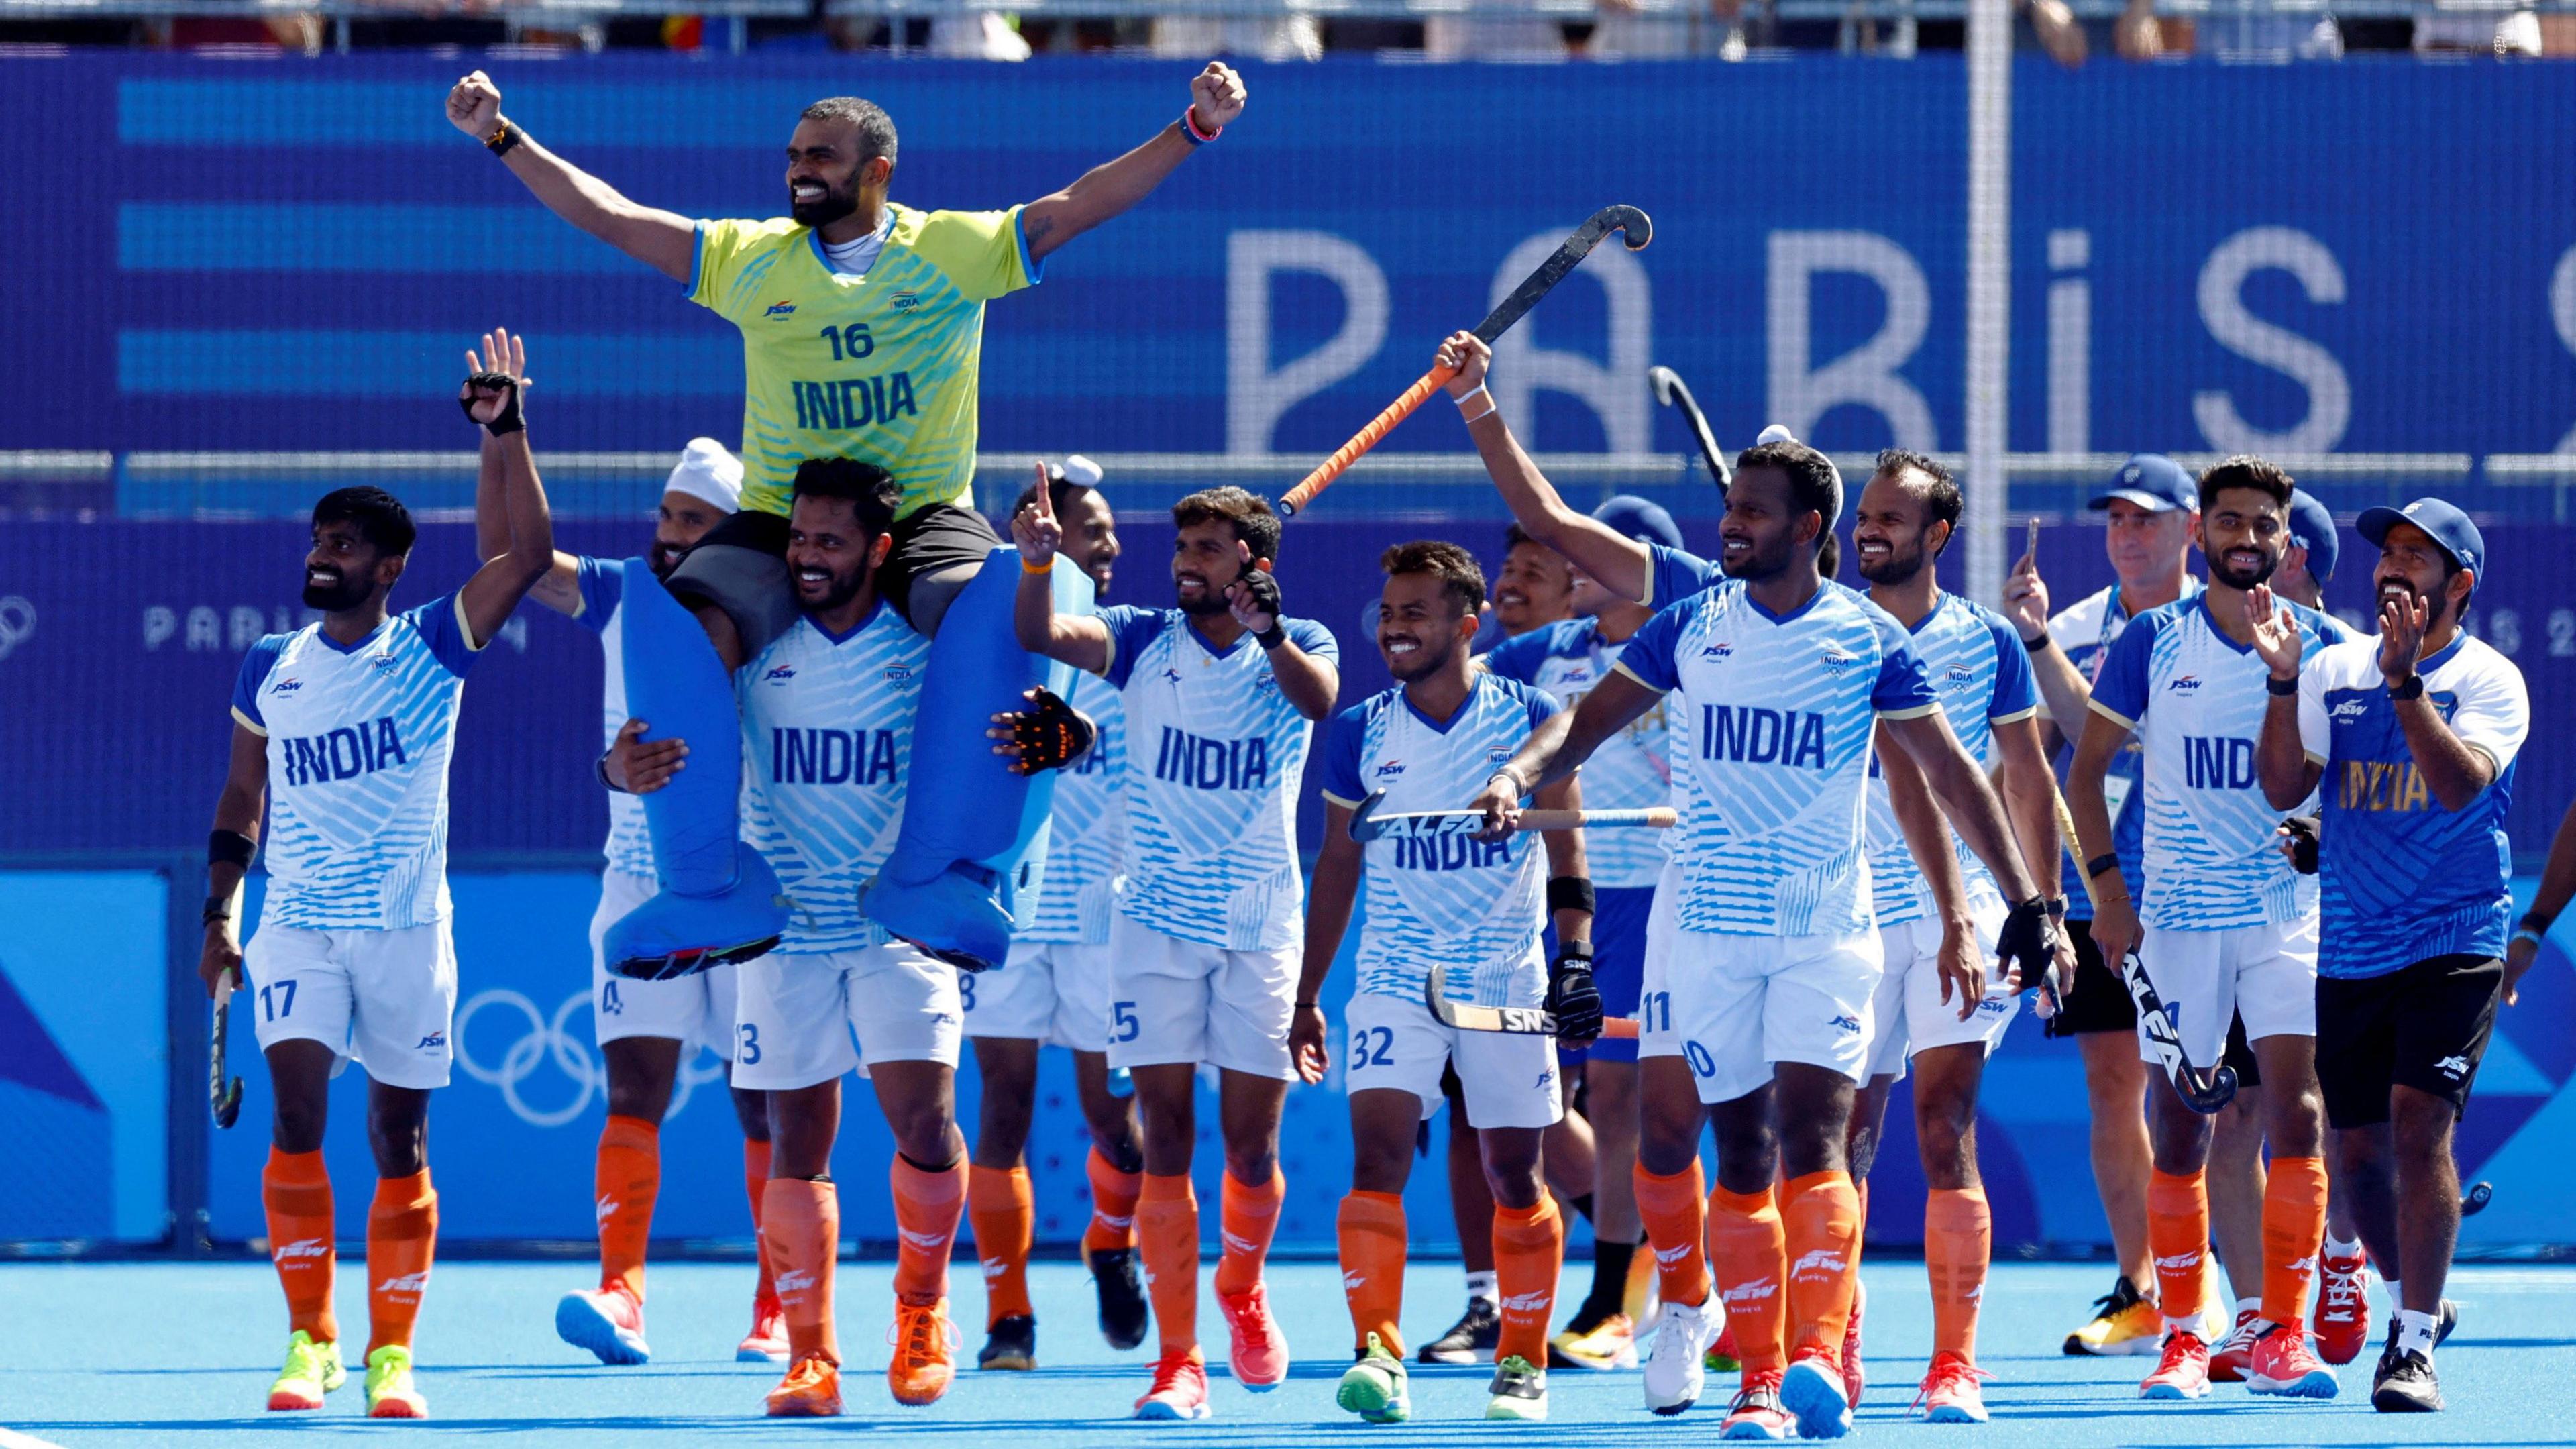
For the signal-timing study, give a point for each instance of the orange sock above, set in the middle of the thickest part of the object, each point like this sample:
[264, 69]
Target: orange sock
[297, 1193]
[2294, 1226]
[1005, 1215]
[1822, 1229]
[1113, 1205]
[1675, 1213]
[1748, 1252]
[1958, 1242]
[402, 1238]
[1167, 1239]
[927, 1206]
[801, 1219]
[2178, 1238]
[1529, 1251]
[629, 1178]
[1248, 1215]
[1371, 1229]
[755, 1185]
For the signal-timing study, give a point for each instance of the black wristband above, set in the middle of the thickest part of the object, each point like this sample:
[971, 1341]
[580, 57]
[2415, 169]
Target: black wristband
[1569, 893]
[218, 908]
[1308, 1005]
[1272, 637]
[229, 847]
[599, 767]
[2101, 865]
[2057, 909]
[2041, 645]
[2280, 688]
[1572, 951]
[2536, 922]
[504, 140]
[2413, 688]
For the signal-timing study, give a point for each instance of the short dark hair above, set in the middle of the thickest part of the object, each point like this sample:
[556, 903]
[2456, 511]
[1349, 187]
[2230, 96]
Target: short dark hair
[1941, 499]
[871, 491]
[1813, 484]
[875, 127]
[381, 518]
[1514, 536]
[1061, 492]
[2245, 471]
[1461, 581]
[1251, 517]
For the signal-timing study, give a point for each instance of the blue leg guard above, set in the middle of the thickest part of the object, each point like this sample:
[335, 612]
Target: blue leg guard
[973, 832]
[719, 900]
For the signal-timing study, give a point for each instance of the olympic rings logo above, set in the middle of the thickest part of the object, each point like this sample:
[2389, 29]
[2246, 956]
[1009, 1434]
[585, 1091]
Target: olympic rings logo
[546, 1040]
[17, 623]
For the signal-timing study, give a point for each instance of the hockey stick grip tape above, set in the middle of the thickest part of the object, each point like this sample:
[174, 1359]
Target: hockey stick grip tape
[1366, 438]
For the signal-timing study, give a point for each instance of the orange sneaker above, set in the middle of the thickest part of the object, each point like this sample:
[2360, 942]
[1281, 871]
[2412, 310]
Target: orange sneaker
[2183, 1370]
[1953, 1391]
[1180, 1388]
[2343, 1307]
[1756, 1412]
[2283, 1365]
[1855, 1378]
[1812, 1391]
[1259, 1352]
[2228, 1361]
[811, 1390]
[767, 1341]
[925, 1357]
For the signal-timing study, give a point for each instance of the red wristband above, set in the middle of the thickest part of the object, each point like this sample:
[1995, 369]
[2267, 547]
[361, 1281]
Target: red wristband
[1190, 127]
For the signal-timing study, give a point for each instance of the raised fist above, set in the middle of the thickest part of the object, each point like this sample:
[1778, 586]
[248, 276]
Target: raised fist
[474, 106]
[1216, 96]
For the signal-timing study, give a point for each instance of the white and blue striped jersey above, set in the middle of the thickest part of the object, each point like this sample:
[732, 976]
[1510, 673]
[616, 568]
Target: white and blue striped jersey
[2086, 629]
[2402, 879]
[2196, 699]
[1087, 830]
[359, 736]
[1982, 675]
[827, 738]
[603, 588]
[1771, 746]
[1474, 906]
[1629, 771]
[1216, 754]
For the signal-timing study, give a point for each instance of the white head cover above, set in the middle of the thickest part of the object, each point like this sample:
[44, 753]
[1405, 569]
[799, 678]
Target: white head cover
[1080, 471]
[706, 471]
[1779, 433]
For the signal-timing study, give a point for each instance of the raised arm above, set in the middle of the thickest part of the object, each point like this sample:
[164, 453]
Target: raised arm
[1216, 98]
[2281, 763]
[560, 589]
[2455, 773]
[1615, 561]
[237, 813]
[1329, 895]
[2061, 687]
[493, 397]
[663, 240]
[1079, 640]
[1309, 682]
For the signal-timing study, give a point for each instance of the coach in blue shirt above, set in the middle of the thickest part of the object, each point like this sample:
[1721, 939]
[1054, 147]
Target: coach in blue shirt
[2412, 737]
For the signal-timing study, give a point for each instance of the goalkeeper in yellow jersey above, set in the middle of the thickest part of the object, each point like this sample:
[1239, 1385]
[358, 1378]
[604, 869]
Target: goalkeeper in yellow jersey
[862, 326]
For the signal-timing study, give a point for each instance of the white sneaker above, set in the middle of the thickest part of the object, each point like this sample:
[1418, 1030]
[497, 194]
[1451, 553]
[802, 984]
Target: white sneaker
[1674, 1360]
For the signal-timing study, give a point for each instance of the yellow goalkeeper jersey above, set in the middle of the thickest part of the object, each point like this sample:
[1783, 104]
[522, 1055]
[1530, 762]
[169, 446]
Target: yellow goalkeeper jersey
[882, 368]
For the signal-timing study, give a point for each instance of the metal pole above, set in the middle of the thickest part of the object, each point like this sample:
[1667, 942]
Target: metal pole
[186, 1013]
[1990, 42]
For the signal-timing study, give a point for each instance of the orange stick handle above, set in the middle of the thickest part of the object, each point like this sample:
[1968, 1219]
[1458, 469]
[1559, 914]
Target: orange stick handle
[1618, 1028]
[1366, 438]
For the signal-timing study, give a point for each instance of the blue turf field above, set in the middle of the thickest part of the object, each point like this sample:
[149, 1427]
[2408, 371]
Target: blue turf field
[151, 1354]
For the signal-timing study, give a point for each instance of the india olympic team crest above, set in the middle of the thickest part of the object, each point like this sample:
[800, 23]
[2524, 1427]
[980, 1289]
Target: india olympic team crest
[546, 1074]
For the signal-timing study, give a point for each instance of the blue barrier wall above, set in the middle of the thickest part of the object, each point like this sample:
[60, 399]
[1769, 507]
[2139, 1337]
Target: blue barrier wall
[2304, 258]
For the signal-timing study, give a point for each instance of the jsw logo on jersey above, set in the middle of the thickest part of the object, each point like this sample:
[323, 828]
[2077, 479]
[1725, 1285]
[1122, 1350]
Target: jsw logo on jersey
[2185, 684]
[1718, 651]
[435, 1041]
[779, 310]
[1747, 734]
[779, 675]
[831, 757]
[1846, 1024]
[285, 686]
[300, 1248]
[1389, 769]
[2215, 762]
[2350, 709]
[2453, 1067]
[344, 753]
[1206, 763]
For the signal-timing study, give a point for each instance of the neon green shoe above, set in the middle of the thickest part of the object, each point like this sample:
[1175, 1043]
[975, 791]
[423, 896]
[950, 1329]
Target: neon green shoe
[1375, 1388]
[1519, 1390]
[390, 1393]
[312, 1370]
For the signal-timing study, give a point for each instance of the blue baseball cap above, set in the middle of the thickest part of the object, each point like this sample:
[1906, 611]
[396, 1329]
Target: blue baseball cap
[1640, 519]
[2312, 527]
[2152, 481]
[2447, 525]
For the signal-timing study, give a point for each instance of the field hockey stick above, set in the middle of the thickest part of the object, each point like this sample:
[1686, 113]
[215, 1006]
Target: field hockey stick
[2203, 1090]
[1672, 392]
[2475, 1200]
[1508, 1020]
[223, 1091]
[1367, 824]
[1634, 229]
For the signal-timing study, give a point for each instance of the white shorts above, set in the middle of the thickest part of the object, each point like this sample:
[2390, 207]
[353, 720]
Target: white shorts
[2266, 974]
[694, 1011]
[803, 1019]
[1907, 1015]
[1179, 1001]
[1655, 1035]
[1736, 1006]
[382, 998]
[1396, 1044]
[1054, 992]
